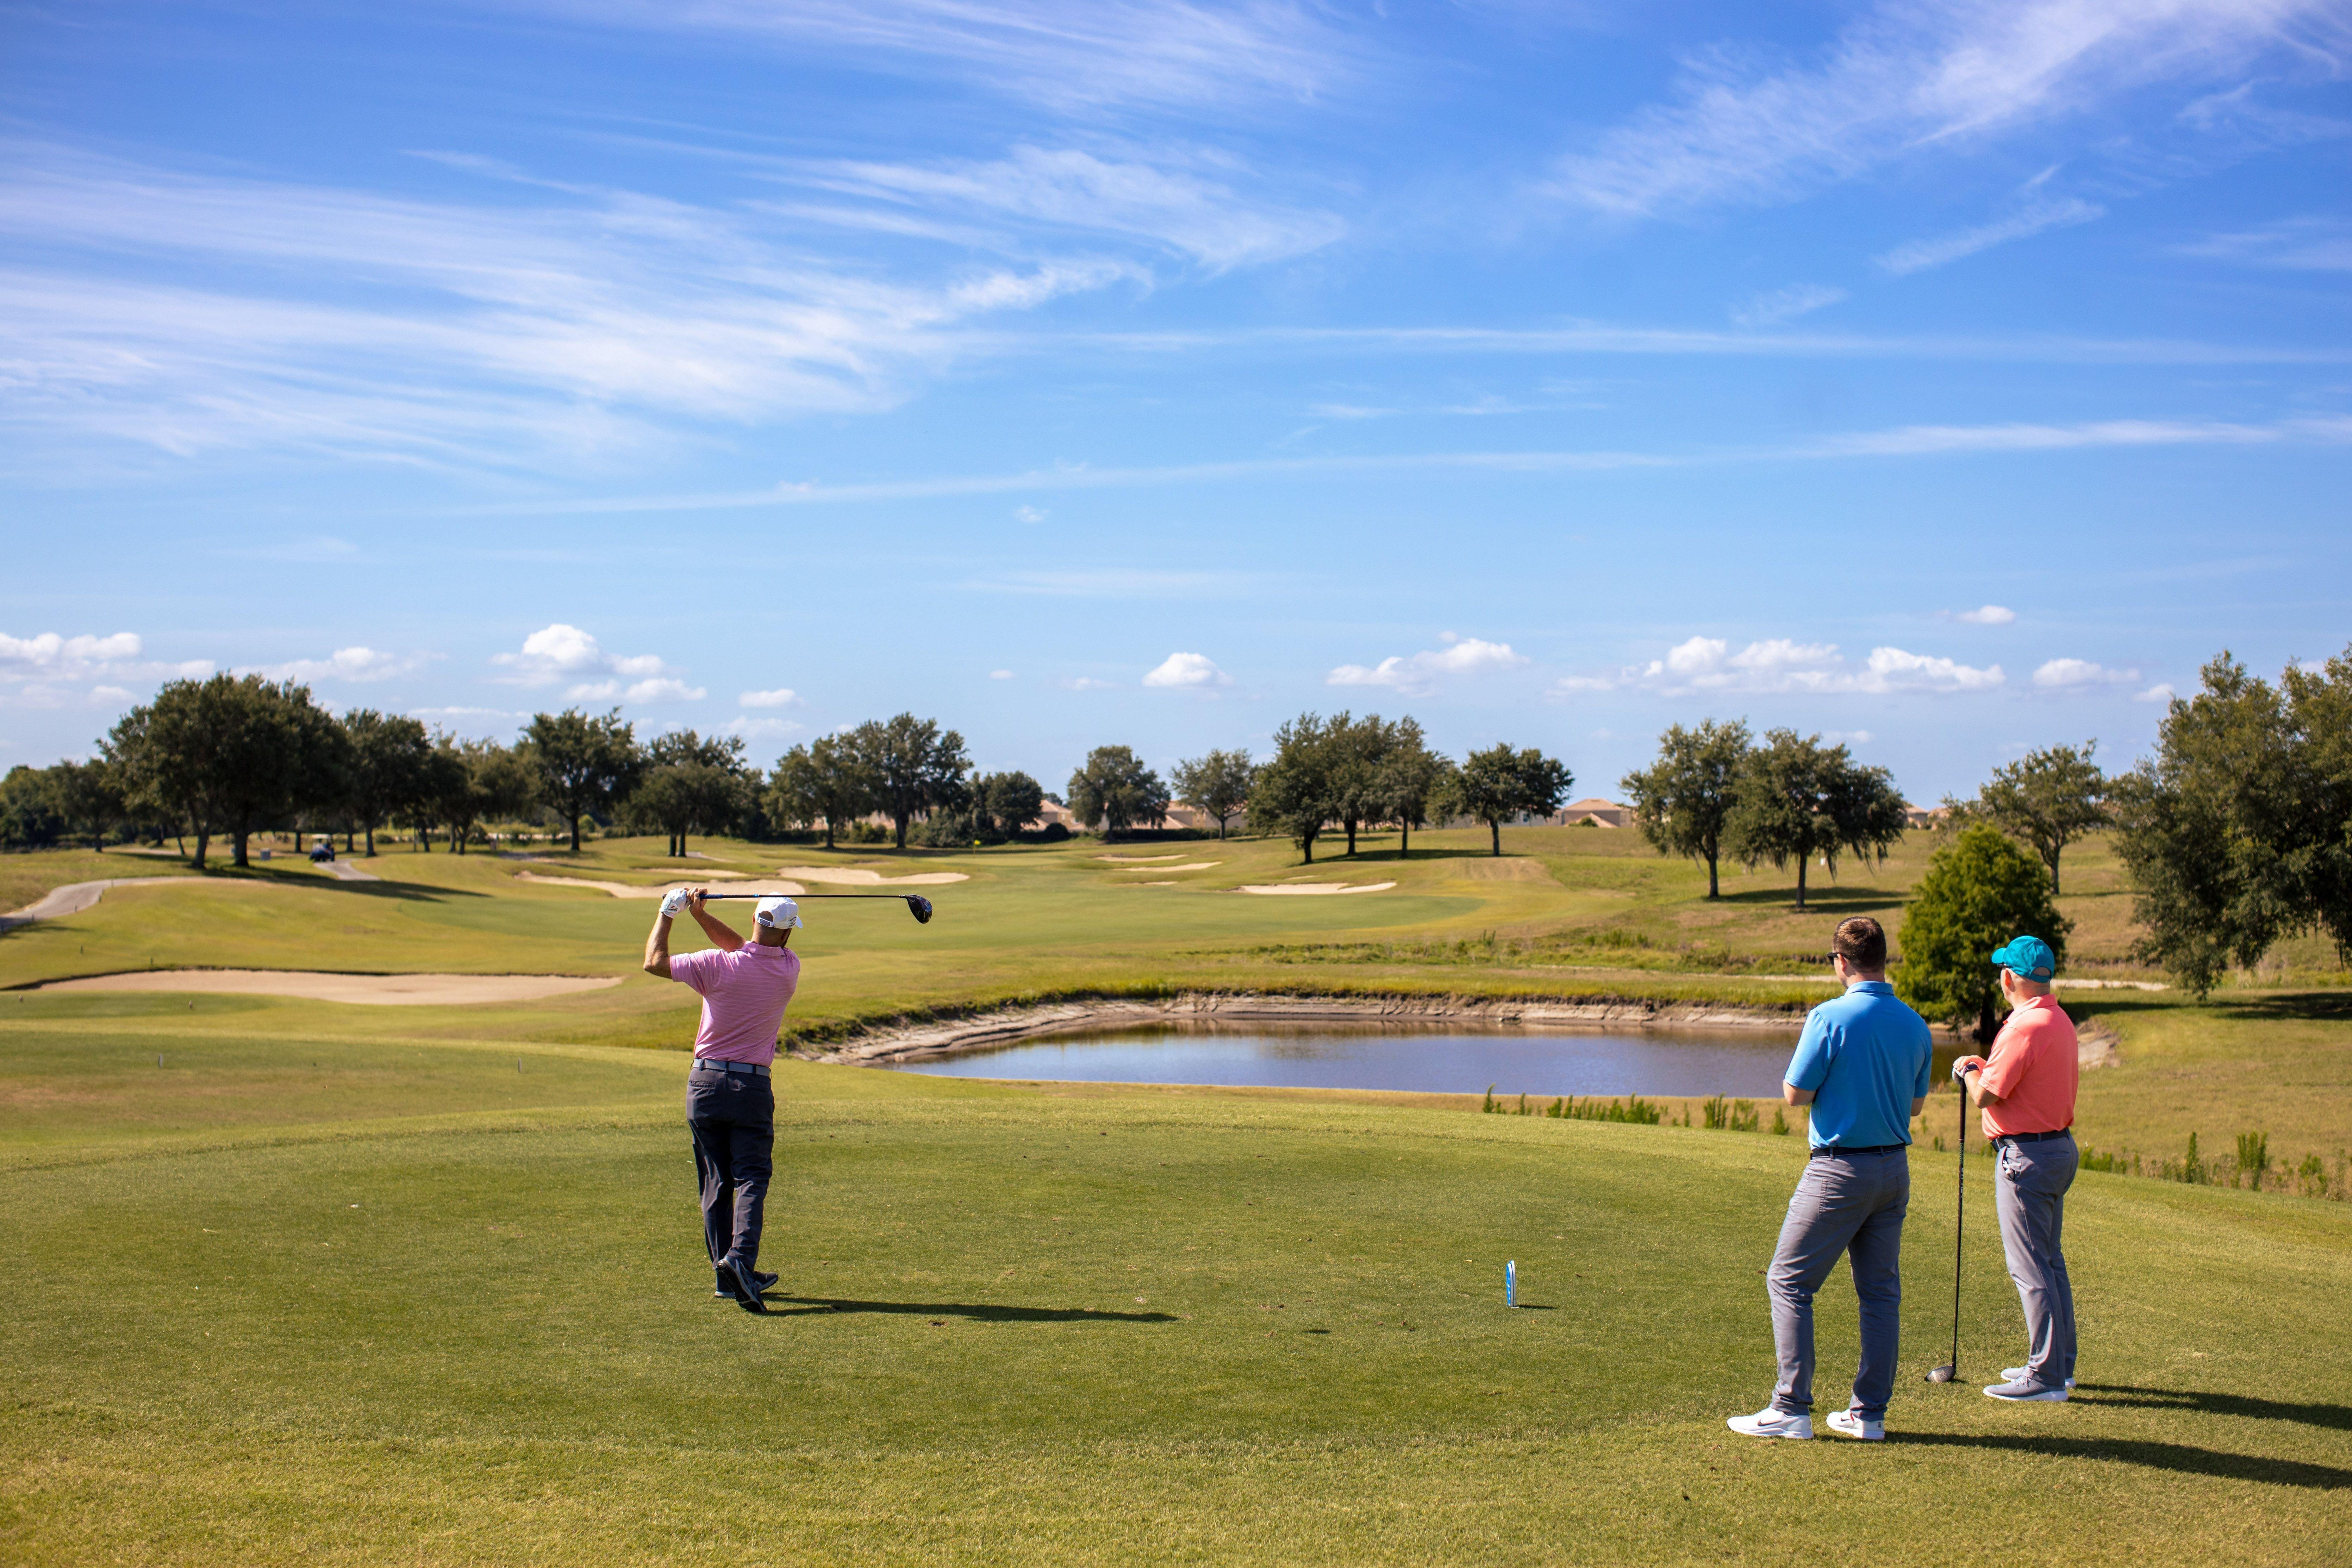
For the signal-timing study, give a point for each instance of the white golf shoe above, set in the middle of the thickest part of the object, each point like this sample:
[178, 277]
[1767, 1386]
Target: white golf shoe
[2019, 1392]
[2017, 1375]
[1771, 1423]
[1846, 1424]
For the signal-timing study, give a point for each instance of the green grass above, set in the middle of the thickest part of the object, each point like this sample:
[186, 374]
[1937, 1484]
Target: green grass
[410, 1305]
[296, 1282]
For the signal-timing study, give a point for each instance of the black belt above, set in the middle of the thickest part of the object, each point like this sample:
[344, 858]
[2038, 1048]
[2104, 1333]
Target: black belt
[704, 1064]
[1873, 1149]
[2031, 1137]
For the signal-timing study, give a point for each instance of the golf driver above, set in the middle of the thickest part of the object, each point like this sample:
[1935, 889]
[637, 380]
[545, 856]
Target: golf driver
[1951, 1369]
[917, 905]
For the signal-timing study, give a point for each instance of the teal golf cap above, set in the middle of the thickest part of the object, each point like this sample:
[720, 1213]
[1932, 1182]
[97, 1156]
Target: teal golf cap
[2028, 958]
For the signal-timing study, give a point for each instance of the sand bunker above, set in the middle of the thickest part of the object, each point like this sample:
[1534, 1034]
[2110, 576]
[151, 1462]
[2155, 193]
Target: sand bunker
[656, 890]
[372, 990]
[1138, 859]
[1188, 866]
[1315, 889]
[856, 876]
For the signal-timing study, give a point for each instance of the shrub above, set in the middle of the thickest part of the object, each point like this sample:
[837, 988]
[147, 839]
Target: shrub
[2253, 1158]
[1979, 891]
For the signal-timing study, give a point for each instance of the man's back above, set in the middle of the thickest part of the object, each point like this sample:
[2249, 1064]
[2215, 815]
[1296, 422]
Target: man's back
[1865, 1056]
[744, 994]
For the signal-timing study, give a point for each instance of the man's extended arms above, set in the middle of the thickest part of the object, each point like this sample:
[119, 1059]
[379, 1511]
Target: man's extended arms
[690, 899]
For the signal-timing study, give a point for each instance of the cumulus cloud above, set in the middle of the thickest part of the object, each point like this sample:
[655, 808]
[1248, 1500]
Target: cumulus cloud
[348, 664]
[782, 697]
[1705, 664]
[1420, 672]
[2061, 673]
[1187, 669]
[39, 671]
[1987, 615]
[2161, 692]
[559, 652]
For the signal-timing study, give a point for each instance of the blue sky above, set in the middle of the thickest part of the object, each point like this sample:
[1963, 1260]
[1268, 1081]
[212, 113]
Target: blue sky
[1952, 378]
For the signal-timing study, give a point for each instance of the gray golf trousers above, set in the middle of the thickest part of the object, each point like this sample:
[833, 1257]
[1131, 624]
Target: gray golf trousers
[2029, 1194]
[733, 1119]
[1851, 1206]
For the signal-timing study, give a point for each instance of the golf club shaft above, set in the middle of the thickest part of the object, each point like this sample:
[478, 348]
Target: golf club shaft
[1960, 1212]
[901, 896]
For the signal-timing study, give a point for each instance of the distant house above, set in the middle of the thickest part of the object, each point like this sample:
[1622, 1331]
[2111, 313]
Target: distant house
[1597, 812]
[1926, 815]
[1049, 814]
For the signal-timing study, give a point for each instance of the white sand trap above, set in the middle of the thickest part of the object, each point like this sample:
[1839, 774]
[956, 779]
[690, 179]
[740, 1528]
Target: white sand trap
[857, 876]
[656, 890]
[1138, 859]
[372, 990]
[1315, 889]
[1189, 866]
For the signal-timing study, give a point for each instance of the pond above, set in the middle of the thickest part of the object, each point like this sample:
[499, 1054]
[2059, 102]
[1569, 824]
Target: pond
[1442, 1059]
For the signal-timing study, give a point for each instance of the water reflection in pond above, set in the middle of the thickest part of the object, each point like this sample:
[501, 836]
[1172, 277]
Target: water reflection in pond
[1443, 1060]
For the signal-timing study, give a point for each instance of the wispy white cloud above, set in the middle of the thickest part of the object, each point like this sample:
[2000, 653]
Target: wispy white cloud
[1420, 672]
[2059, 674]
[1075, 56]
[782, 697]
[760, 727]
[2036, 218]
[350, 664]
[2301, 244]
[2161, 692]
[366, 324]
[1917, 440]
[1000, 675]
[1986, 615]
[1704, 664]
[655, 689]
[1187, 669]
[1786, 304]
[1030, 514]
[1083, 683]
[1167, 201]
[1906, 76]
[1120, 583]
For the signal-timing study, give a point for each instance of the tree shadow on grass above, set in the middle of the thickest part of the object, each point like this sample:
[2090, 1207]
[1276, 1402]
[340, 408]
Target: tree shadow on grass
[977, 1313]
[2337, 1417]
[2176, 1457]
[2302, 1006]
[1831, 900]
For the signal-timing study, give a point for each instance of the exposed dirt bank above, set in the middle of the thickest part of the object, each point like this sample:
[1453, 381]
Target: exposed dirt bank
[939, 1038]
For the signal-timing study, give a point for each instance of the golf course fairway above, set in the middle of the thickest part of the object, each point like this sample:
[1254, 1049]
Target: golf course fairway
[289, 1280]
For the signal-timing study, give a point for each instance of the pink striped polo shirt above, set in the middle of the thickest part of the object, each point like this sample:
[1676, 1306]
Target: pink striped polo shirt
[744, 994]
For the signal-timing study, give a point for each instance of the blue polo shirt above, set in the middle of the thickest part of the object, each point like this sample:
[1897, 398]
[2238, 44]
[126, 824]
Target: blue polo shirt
[1866, 1057]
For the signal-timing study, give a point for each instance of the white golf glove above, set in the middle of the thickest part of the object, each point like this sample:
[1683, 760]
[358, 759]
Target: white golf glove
[674, 903]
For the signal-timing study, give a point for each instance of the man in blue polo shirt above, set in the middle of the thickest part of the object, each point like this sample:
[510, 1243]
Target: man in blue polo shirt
[1863, 1064]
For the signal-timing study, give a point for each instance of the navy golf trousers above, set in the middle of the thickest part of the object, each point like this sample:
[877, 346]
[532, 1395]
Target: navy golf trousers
[733, 1119]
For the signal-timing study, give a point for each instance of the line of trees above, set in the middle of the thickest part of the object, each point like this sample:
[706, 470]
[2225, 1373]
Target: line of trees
[1716, 792]
[1351, 773]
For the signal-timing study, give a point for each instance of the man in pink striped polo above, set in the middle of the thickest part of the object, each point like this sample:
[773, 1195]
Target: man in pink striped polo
[731, 1099]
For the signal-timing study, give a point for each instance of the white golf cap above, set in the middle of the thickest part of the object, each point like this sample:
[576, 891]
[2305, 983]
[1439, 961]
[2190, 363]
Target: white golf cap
[778, 914]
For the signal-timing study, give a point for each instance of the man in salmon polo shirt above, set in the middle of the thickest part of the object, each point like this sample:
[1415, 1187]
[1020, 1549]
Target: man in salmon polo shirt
[730, 1101]
[2026, 1088]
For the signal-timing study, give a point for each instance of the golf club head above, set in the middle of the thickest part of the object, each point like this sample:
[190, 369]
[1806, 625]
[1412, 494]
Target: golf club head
[1942, 1373]
[921, 907]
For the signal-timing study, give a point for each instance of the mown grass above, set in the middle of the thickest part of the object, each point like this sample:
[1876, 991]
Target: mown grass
[410, 1305]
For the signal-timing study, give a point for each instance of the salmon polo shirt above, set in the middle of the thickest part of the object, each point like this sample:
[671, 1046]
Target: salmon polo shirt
[744, 994]
[2033, 1066]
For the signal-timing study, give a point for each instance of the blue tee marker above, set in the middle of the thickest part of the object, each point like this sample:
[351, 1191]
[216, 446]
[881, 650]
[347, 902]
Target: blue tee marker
[1511, 1283]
